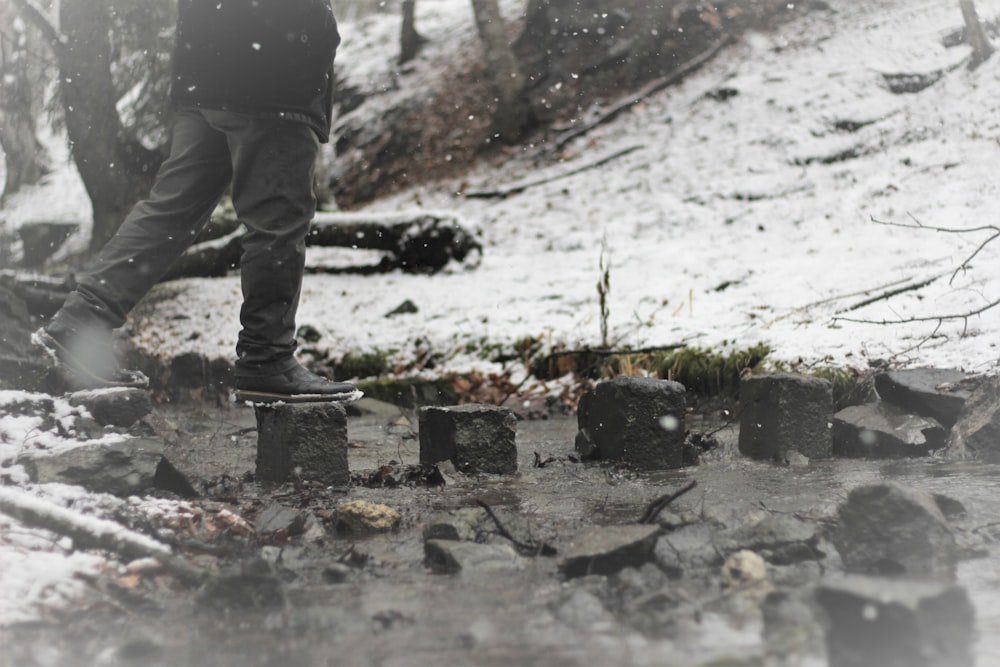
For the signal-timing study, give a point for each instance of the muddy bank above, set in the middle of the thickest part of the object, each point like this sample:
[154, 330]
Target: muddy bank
[316, 593]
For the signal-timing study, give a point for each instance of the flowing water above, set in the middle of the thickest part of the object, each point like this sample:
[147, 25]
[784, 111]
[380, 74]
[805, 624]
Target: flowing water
[391, 610]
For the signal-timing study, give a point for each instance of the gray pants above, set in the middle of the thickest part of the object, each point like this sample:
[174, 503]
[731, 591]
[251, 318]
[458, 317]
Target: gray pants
[271, 165]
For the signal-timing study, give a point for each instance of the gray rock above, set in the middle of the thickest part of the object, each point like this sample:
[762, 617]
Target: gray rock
[780, 539]
[882, 430]
[117, 406]
[784, 413]
[890, 529]
[636, 420]
[466, 524]
[688, 549]
[451, 557]
[792, 632]
[476, 438]
[977, 433]
[307, 440]
[897, 623]
[931, 392]
[609, 549]
[126, 467]
[276, 517]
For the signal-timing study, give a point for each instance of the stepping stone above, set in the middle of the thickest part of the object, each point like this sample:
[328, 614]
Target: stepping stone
[784, 414]
[476, 438]
[304, 441]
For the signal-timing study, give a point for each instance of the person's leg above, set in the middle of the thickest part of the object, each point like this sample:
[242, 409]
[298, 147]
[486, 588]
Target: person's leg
[157, 230]
[273, 170]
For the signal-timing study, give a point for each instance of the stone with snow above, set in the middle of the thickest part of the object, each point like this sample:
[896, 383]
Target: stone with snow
[476, 438]
[116, 406]
[931, 392]
[890, 529]
[784, 413]
[892, 623]
[304, 441]
[639, 421]
[123, 467]
[976, 434]
[881, 430]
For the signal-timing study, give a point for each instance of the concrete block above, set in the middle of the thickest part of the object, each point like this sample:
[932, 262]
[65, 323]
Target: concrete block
[305, 440]
[783, 413]
[636, 420]
[476, 438]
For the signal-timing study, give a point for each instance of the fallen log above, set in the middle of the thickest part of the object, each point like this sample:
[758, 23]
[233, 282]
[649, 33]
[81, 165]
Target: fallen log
[89, 532]
[421, 243]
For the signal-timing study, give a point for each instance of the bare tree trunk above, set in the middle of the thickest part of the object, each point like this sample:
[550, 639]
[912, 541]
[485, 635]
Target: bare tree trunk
[975, 34]
[19, 104]
[116, 169]
[410, 40]
[512, 112]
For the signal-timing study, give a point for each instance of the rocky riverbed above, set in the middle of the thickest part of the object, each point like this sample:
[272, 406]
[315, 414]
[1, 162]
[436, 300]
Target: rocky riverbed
[478, 569]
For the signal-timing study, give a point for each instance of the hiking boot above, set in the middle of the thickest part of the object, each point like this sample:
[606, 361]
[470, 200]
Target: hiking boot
[295, 386]
[88, 359]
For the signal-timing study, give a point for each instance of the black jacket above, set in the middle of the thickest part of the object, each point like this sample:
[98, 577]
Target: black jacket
[265, 57]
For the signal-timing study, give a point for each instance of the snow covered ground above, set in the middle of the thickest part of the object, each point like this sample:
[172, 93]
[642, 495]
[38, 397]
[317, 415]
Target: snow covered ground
[723, 228]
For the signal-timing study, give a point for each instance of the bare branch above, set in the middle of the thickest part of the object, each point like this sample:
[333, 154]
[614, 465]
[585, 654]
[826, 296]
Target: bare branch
[949, 230]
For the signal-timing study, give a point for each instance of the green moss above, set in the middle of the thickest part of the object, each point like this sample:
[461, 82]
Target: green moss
[361, 365]
[411, 392]
[709, 373]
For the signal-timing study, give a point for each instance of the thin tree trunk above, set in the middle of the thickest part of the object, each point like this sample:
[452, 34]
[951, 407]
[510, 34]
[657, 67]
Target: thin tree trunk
[19, 103]
[116, 169]
[512, 113]
[975, 34]
[410, 40]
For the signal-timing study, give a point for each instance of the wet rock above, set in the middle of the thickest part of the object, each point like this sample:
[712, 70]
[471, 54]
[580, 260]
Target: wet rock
[582, 610]
[688, 549]
[793, 634]
[252, 585]
[359, 516]
[882, 430]
[307, 440]
[117, 406]
[636, 420]
[896, 623]
[609, 549]
[277, 518]
[476, 438]
[745, 573]
[931, 392]
[465, 524]
[41, 240]
[890, 529]
[451, 557]
[125, 467]
[784, 413]
[976, 434]
[781, 539]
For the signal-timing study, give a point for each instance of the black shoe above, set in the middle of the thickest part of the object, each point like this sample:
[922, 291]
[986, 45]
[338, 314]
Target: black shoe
[88, 359]
[295, 386]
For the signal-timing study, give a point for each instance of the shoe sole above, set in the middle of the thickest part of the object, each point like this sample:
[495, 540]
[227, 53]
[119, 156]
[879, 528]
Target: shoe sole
[65, 359]
[267, 398]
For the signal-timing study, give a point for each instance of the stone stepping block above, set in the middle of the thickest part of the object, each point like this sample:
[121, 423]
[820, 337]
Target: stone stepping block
[639, 421]
[783, 413]
[882, 430]
[475, 437]
[897, 623]
[304, 440]
[931, 392]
